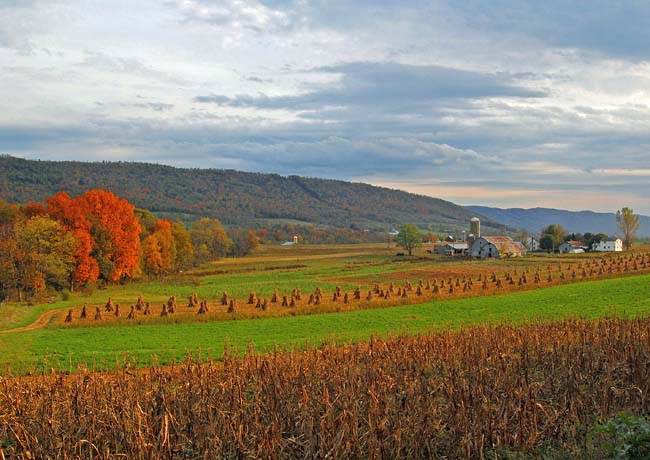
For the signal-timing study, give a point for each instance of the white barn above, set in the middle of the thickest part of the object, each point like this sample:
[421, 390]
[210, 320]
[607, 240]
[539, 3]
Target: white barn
[495, 247]
[608, 245]
[572, 247]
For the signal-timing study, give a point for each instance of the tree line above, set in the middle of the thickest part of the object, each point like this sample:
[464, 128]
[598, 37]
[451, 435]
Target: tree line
[97, 236]
[626, 220]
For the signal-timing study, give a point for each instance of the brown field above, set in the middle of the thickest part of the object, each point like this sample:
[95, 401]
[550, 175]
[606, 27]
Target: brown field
[456, 395]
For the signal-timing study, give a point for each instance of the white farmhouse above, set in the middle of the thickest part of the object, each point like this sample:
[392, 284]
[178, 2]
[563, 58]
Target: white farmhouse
[495, 247]
[608, 245]
[572, 247]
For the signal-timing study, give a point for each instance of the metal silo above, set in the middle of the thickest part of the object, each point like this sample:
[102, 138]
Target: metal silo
[475, 227]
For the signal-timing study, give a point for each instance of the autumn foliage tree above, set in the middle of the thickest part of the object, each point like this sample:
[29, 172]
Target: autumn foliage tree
[45, 253]
[243, 242]
[75, 241]
[116, 232]
[9, 214]
[159, 249]
[184, 246]
[107, 233]
[628, 224]
[34, 252]
[71, 214]
[209, 239]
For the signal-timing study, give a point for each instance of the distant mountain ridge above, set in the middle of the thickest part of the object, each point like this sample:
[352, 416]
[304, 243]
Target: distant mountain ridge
[533, 220]
[235, 197]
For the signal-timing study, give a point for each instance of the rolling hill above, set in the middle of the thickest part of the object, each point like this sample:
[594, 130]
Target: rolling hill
[533, 220]
[235, 197]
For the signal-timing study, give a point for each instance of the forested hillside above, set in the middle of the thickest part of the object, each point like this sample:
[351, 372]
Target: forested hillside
[236, 198]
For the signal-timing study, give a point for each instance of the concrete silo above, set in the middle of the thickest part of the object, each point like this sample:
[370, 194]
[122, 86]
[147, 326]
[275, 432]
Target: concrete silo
[475, 227]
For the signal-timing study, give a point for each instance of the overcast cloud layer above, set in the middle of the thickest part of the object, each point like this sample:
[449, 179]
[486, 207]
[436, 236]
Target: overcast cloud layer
[502, 103]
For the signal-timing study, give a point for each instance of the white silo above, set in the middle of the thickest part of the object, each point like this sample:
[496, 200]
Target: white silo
[475, 227]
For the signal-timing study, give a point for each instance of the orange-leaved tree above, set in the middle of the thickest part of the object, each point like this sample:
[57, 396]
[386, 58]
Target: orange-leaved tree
[116, 233]
[159, 249]
[73, 216]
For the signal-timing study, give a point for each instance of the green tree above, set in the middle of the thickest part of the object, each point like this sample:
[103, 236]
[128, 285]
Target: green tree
[409, 237]
[210, 240]
[591, 238]
[628, 224]
[45, 254]
[556, 232]
[184, 246]
[147, 221]
[243, 242]
[547, 243]
[102, 250]
[8, 212]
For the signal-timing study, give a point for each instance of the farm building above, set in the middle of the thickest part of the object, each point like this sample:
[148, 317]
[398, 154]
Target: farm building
[452, 249]
[572, 247]
[608, 245]
[495, 247]
[291, 243]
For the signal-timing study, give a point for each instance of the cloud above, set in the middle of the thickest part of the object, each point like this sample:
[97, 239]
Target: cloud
[250, 15]
[505, 102]
[614, 29]
[387, 86]
[156, 106]
[98, 61]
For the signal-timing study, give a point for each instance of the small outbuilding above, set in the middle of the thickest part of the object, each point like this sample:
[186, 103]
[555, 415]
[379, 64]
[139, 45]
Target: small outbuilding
[292, 242]
[608, 245]
[572, 247]
[452, 249]
[495, 247]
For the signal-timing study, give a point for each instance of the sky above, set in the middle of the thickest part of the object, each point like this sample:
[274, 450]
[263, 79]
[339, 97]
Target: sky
[502, 103]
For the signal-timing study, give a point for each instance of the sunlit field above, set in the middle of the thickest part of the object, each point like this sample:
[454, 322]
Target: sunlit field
[364, 290]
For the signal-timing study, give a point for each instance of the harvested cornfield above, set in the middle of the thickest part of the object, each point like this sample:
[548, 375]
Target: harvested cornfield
[454, 395]
[460, 282]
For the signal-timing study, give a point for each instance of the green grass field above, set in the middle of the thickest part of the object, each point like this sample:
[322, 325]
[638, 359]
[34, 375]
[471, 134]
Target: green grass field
[107, 347]
[304, 267]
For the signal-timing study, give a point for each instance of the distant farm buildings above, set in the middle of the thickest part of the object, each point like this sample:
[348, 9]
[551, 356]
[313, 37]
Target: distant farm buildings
[476, 246]
[572, 247]
[497, 247]
[480, 247]
[608, 245]
[291, 243]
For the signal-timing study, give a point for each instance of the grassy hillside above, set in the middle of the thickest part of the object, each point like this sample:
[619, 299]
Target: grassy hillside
[237, 198]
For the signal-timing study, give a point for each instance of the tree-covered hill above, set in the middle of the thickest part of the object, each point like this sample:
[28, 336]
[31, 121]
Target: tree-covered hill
[235, 197]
